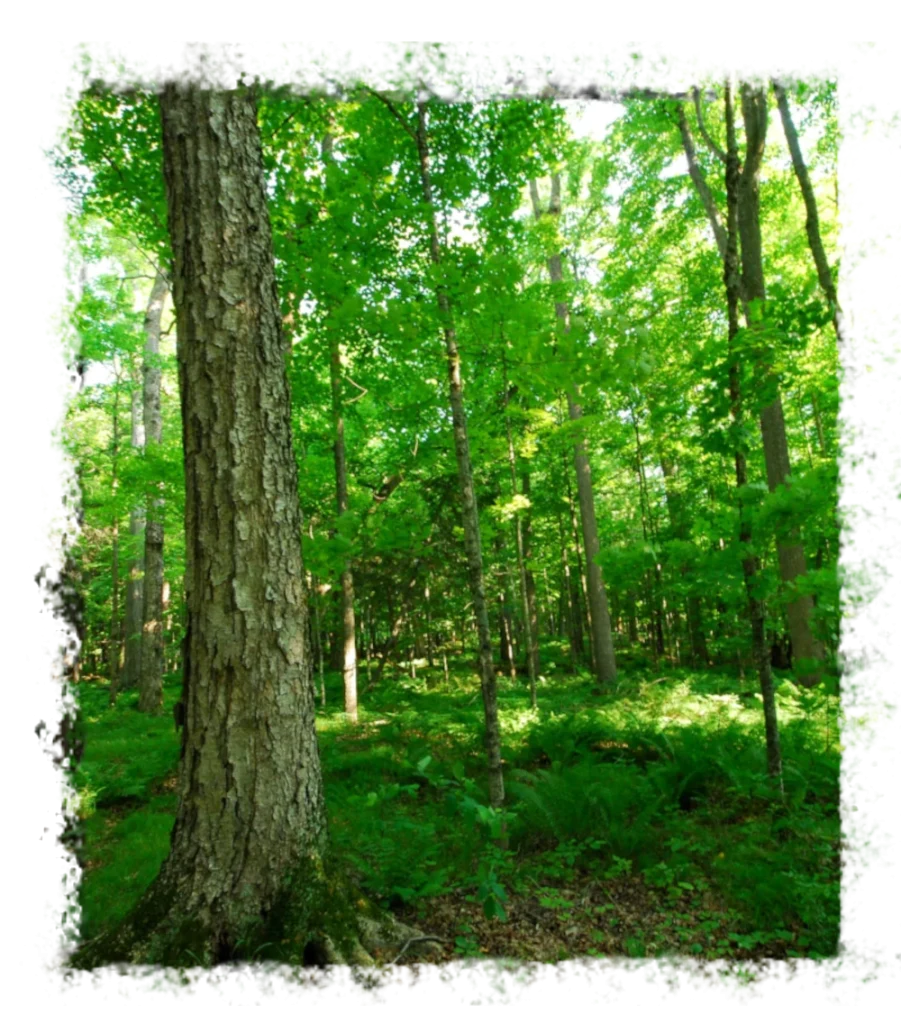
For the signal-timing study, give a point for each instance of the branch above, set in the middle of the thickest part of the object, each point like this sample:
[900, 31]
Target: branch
[364, 391]
[395, 113]
[705, 135]
[700, 183]
[418, 938]
[754, 114]
[536, 202]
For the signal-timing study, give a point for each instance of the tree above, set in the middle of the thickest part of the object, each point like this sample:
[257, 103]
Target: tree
[151, 661]
[348, 623]
[750, 562]
[134, 588]
[472, 538]
[601, 635]
[247, 847]
[792, 563]
[869, 444]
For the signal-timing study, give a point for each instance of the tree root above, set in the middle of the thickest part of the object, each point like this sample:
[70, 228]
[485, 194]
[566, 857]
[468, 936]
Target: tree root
[359, 971]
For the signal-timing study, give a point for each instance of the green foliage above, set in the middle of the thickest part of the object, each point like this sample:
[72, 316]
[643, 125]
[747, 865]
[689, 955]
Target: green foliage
[646, 786]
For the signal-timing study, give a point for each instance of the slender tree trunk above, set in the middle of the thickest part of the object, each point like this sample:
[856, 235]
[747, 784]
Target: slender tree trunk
[531, 595]
[530, 624]
[505, 641]
[752, 295]
[150, 698]
[584, 606]
[601, 635]
[749, 563]
[397, 622]
[573, 611]
[348, 624]
[869, 443]
[319, 649]
[134, 589]
[847, 348]
[115, 625]
[428, 626]
[649, 531]
[471, 533]
[792, 566]
[680, 528]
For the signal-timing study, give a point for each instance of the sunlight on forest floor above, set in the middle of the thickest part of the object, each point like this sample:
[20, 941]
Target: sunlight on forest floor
[639, 823]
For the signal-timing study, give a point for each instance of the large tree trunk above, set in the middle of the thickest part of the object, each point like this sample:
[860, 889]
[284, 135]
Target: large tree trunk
[471, 534]
[792, 564]
[604, 661]
[151, 673]
[245, 863]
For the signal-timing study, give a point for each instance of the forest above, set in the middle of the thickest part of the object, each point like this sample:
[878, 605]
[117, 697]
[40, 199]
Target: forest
[457, 573]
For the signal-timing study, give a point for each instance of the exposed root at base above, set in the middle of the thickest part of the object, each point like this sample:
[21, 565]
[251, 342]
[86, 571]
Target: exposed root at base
[358, 971]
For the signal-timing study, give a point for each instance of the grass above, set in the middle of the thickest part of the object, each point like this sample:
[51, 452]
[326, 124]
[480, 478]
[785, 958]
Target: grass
[639, 823]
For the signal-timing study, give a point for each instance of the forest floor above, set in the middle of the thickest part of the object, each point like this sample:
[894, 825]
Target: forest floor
[639, 822]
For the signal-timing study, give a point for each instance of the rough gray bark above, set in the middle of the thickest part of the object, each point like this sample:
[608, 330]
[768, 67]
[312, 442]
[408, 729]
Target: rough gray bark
[151, 670]
[792, 564]
[601, 634]
[869, 444]
[248, 845]
[471, 533]
[249, 737]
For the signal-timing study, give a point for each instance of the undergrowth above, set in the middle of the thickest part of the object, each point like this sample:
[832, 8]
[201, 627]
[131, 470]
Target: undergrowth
[657, 793]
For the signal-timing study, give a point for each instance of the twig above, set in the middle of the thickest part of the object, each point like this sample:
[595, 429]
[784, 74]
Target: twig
[417, 938]
[356, 385]
[394, 113]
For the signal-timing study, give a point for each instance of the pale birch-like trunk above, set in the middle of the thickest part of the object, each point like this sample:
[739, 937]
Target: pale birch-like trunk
[151, 670]
[604, 660]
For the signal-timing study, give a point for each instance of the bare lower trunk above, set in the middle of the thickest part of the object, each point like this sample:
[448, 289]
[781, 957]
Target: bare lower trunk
[151, 674]
[348, 624]
[530, 623]
[115, 625]
[751, 293]
[604, 661]
[601, 635]
[749, 563]
[472, 538]
[680, 527]
[792, 565]
[531, 595]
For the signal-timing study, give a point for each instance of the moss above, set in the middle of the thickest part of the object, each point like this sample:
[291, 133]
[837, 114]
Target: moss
[157, 932]
[318, 918]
